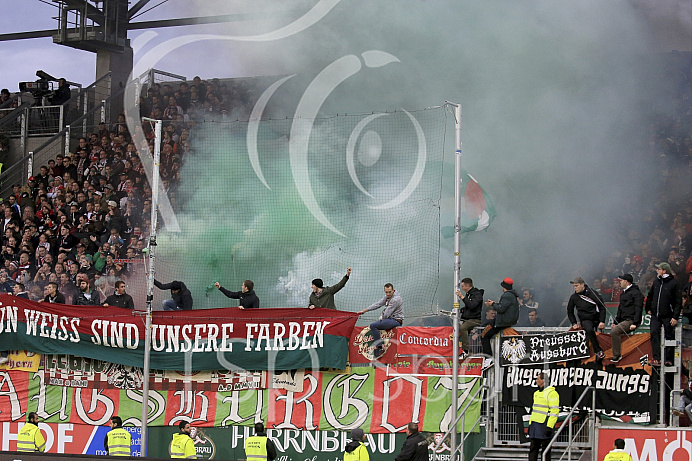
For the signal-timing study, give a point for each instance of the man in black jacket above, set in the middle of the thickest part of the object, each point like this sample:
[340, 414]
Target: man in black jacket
[591, 312]
[470, 314]
[246, 295]
[664, 303]
[86, 296]
[120, 298]
[182, 298]
[629, 315]
[53, 296]
[415, 447]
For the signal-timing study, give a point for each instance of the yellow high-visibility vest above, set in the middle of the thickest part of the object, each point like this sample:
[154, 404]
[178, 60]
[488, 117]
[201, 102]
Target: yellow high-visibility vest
[256, 448]
[546, 404]
[183, 446]
[119, 442]
[30, 439]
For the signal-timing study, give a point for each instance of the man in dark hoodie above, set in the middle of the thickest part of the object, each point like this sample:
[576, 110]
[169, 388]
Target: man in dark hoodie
[246, 295]
[470, 314]
[629, 315]
[182, 298]
[415, 447]
[591, 312]
[507, 313]
[664, 303]
[355, 449]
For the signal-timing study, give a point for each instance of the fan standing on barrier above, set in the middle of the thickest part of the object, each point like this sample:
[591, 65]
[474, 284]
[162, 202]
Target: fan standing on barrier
[246, 295]
[472, 298]
[322, 296]
[507, 314]
[664, 303]
[544, 413]
[629, 315]
[591, 311]
[391, 317]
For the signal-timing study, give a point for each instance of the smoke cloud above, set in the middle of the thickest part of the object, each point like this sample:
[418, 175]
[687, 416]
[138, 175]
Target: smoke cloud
[555, 99]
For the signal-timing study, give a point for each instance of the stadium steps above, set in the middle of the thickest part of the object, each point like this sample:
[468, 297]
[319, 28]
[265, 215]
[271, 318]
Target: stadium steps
[521, 453]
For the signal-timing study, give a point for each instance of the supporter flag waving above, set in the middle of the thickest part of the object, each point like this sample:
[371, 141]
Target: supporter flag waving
[477, 208]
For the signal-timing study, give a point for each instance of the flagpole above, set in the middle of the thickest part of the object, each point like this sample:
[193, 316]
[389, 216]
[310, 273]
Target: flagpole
[457, 273]
[150, 280]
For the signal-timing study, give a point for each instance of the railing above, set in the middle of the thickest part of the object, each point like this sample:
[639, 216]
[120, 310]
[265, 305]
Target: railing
[571, 436]
[462, 416]
[44, 120]
[57, 144]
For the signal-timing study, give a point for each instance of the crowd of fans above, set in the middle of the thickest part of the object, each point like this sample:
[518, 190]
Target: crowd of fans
[85, 216]
[658, 229]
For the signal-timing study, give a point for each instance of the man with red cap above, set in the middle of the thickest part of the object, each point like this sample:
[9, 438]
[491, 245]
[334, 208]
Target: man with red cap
[507, 313]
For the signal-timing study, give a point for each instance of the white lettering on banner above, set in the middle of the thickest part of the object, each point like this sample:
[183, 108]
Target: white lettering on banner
[347, 400]
[258, 333]
[96, 399]
[63, 436]
[651, 448]
[8, 319]
[193, 406]
[388, 399]
[8, 435]
[290, 404]
[235, 399]
[318, 441]
[426, 341]
[7, 390]
[42, 399]
[157, 405]
[464, 388]
[37, 322]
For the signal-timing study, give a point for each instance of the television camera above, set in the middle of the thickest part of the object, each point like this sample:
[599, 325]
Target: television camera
[44, 86]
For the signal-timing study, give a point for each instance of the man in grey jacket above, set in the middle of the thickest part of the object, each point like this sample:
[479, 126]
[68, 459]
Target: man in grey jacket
[392, 316]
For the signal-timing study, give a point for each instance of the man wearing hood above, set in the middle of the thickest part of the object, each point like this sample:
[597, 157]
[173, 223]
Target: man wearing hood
[507, 314]
[544, 412]
[664, 303]
[470, 315]
[629, 315]
[355, 449]
[246, 295]
[182, 298]
[259, 446]
[591, 312]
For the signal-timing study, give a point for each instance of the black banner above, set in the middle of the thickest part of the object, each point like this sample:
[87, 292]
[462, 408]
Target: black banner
[616, 388]
[545, 348]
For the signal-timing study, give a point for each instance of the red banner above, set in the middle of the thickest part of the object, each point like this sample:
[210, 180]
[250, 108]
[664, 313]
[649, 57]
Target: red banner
[200, 339]
[667, 444]
[401, 341]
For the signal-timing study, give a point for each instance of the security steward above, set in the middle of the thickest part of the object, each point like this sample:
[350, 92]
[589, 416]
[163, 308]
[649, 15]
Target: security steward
[117, 441]
[182, 445]
[30, 438]
[546, 407]
[258, 446]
